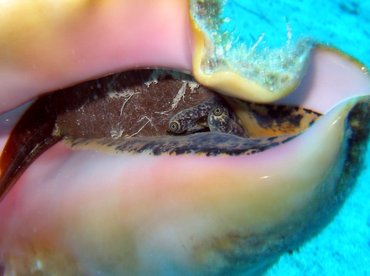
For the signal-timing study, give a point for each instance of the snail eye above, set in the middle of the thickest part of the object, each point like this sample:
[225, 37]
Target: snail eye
[174, 126]
[218, 111]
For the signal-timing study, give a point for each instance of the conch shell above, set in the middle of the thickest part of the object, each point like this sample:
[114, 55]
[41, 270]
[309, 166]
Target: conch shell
[107, 207]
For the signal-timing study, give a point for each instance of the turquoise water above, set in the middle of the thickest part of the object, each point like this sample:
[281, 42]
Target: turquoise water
[340, 23]
[343, 248]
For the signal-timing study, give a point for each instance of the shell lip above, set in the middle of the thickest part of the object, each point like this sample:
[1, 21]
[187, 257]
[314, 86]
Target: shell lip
[262, 75]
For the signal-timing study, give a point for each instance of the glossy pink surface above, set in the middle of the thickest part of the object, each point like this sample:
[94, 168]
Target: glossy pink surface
[109, 37]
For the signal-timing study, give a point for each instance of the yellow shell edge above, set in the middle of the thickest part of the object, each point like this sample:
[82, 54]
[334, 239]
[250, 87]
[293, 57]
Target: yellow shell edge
[227, 82]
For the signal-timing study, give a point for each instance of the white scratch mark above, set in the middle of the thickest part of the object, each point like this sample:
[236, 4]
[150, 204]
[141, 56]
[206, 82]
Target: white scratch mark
[121, 94]
[258, 42]
[148, 120]
[193, 85]
[116, 133]
[128, 95]
[180, 95]
[149, 82]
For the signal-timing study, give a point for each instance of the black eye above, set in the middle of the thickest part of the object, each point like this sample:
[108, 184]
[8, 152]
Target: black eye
[218, 111]
[174, 126]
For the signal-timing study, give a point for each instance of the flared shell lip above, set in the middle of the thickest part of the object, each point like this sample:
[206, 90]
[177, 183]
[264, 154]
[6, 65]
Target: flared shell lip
[248, 89]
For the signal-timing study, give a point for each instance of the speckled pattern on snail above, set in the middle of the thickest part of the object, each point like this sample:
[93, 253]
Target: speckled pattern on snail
[213, 114]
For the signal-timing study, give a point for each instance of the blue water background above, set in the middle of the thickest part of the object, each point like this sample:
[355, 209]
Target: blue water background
[343, 248]
[338, 23]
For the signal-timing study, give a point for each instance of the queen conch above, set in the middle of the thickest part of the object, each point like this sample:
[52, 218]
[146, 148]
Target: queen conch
[195, 169]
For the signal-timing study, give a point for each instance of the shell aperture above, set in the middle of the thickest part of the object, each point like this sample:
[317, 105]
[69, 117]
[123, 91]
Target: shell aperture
[233, 177]
[132, 111]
